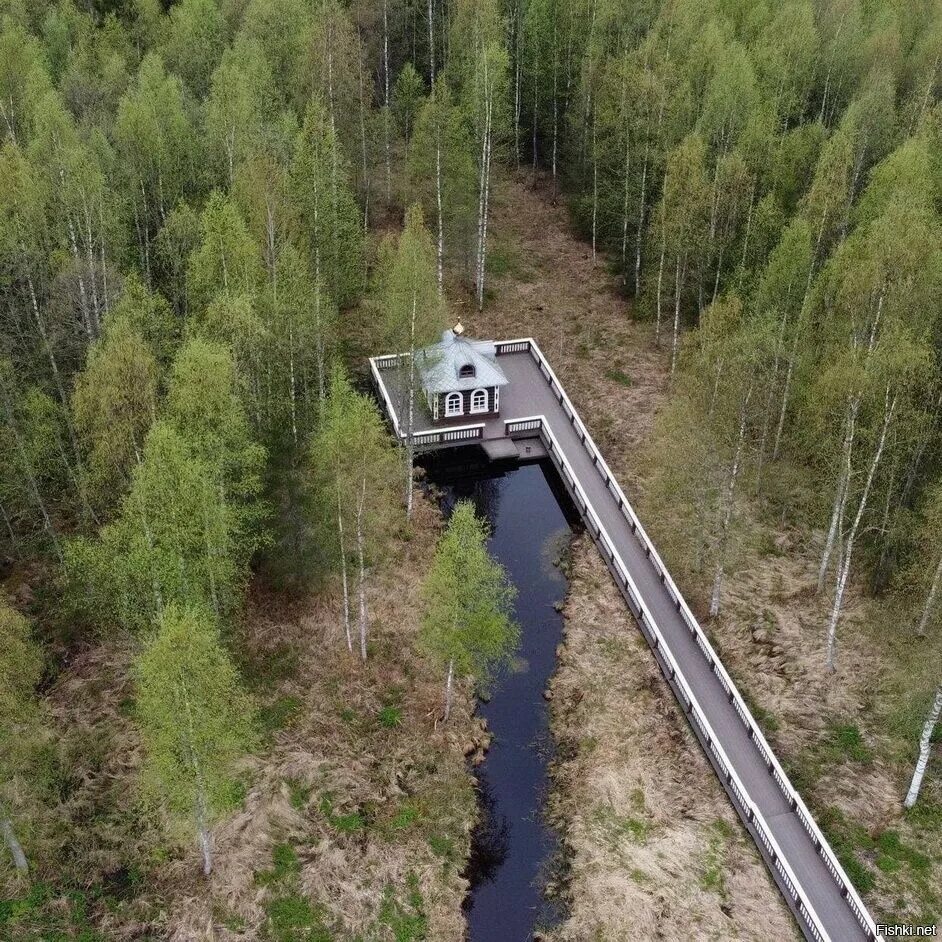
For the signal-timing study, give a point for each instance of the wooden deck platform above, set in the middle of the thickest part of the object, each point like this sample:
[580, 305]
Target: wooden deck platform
[535, 409]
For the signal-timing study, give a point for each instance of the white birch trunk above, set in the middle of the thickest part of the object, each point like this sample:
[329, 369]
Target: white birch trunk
[925, 746]
[840, 493]
[386, 97]
[675, 343]
[595, 189]
[449, 688]
[641, 214]
[930, 600]
[343, 572]
[844, 568]
[438, 201]
[410, 412]
[14, 846]
[431, 46]
[205, 837]
[660, 285]
[728, 510]
[361, 583]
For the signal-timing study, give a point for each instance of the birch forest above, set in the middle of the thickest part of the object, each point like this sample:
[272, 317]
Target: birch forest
[213, 211]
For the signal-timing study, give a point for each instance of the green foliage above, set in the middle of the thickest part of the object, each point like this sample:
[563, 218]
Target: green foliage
[204, 406]
[406, 919]
[196, 722]
[174, 541]
[330, 220]
[226, 261]
[407, 286]
[114, 404]
[468, 602]
[354, 465]
[440, 153]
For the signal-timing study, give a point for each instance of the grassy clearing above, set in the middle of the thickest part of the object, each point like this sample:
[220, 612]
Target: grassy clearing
[350, 825]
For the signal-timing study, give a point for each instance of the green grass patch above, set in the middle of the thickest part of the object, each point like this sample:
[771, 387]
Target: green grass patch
[298, 794]
[850, 841]
[713, 876]
[44, 912]
[619, 376]
[406, 918]
[285, 865]
[279, 714]
[291, 918]
[617, 827]
[844, 740]
[348, 823]
[442, 846]
[405, 817]
[390, 717]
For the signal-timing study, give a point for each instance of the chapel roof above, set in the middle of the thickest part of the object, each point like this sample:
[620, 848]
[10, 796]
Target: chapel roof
[440, 365]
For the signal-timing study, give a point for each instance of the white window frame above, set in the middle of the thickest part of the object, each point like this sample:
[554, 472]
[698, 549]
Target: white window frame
[497, 398]
[480, 391]
[449, 399]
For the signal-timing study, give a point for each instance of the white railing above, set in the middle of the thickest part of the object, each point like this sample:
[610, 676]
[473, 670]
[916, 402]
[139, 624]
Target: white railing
[454, 433]
[381, 363]
[512, 346]
[532, 423]
[821, 844]
[675, 676]
[529, 424]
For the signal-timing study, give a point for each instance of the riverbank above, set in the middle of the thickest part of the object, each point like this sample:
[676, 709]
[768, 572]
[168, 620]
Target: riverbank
[655, 848]
[652, 844]
[847, 740]
[354, 815]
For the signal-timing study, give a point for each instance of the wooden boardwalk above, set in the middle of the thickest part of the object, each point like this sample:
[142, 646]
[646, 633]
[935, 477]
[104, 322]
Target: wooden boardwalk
[535, 406]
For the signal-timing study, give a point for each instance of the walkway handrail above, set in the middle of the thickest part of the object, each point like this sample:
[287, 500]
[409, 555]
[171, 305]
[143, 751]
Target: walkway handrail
[377, 364]
[689, 701]
[448, 433]
[788, 790]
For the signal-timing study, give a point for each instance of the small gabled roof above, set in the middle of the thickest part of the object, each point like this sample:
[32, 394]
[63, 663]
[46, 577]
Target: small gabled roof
[440, 365]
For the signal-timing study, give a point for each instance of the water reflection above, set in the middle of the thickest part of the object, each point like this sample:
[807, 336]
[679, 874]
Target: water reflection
[513, 848]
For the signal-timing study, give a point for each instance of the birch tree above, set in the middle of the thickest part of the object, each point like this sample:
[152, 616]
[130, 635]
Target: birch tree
[204, 406]
[238, 108]
[414, 315]
[931, 546]
[479, 63]
[925, 747]
[173, 541]
[326, 208]
[115, 403]
[196, 723]
[680, 224]
[468, 625]
[20, 670]
[442, 175]
[354, 463]
[155, 142]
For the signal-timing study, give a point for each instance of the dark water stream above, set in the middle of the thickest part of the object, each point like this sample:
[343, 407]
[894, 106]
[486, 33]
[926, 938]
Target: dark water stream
[530, 518]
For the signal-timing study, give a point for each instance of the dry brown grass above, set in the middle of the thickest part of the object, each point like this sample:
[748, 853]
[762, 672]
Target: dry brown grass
[770, 634]
[360, 779]
[656, 849]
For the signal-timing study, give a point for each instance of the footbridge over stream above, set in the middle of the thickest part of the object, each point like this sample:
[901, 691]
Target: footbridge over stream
[538, 420]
